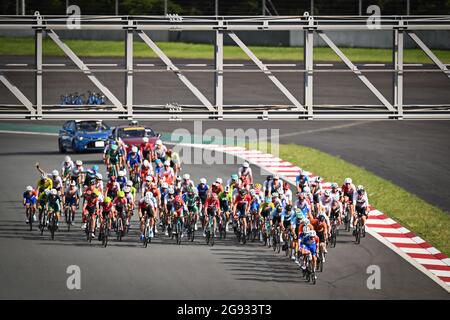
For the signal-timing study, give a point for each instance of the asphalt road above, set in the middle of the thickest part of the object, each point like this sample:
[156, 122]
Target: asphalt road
[34, 266]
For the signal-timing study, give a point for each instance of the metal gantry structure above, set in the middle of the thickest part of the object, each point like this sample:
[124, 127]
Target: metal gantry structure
[400, 26]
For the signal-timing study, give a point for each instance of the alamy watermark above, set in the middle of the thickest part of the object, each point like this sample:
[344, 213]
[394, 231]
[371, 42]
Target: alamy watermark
[264, 140]
[73, 281]
[373, 282]
[374, 21]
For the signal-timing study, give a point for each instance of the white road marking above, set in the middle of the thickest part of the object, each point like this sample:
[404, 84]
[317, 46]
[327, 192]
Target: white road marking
[413, 65]
[53, 64]
[101, 64]
[196, 65]
[145, 64]
[233, 64]
[281, 65]
[332, 128]
[16, 64]
[30, 132]
[373, 65]
[324, 64]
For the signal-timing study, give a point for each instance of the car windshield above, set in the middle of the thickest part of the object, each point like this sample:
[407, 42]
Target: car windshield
[136, 132]
[91, 126]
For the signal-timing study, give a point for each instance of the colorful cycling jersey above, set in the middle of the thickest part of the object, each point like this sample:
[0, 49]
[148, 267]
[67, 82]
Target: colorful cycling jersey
[54, 202]
[76, 171]
[122, 181]
[239, 200]
[168, 175]
[106, 207]
[191, 201]
[161, 152]
[302, 180]
[91, 201]
[225, 196]
[349, 191]
[29, 197]
[304, 207]
[286, 215]
[212, 203]
[362, 201]
[120, 203]
[202, 189]
[144, 205]
[254, 204]
[133, 159]
[66, 169]
[46, 184]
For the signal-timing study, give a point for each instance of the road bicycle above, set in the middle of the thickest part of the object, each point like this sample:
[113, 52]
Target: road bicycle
[210, 232]
[360, 230]
[52, 225]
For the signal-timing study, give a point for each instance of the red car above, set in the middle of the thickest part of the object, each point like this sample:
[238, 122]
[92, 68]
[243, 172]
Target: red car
[133, 135]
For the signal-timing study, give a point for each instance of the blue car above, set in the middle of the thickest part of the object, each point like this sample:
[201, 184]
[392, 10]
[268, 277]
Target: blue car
[83, 136]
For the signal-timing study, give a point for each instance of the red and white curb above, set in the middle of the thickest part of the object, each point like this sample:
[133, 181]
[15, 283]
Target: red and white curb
[412, 248]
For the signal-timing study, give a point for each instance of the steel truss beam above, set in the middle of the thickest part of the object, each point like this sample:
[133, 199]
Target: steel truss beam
[82, 66]
[18, 94]
[266, 71]
[355, 69]
[177, 71]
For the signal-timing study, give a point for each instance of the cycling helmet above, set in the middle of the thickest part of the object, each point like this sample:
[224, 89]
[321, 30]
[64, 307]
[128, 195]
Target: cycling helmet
[158, 161]
[148, 179]
[73, 183]
[178, 178]
[219, 180]
[245, 164]
[79, 163]
[167, 163]
[307, 190]
[190, 189]
[43, 176]
[348, 180]
[327, 193]
[148, 198]
[158, 142]
[55, 173]
[268, 199]
[146, 163]
[275, 195]
[122, 173]
[134, 149]
[258, 186]
[107, 200]
[164, 185]
[127, 189]
[276, 177]
[96, 193]
[318, 179]
[321, 217]
[47, 191]
[288, 207]
[129, 183]
[203, 180]
[29, 188]
[360, 188]
[234, 177]
[120, 194]
[67, 159]
[186, 176]
[334, 185]
[54, 192]
[95, 168]
[252, 192]
[171, 191]
[99, 176]
[312, 233]
[269, 177]
[305, 221]
[227, 189]
[114, 147]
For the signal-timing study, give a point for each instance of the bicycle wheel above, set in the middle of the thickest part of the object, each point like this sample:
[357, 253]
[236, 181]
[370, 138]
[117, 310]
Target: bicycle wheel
[68, 215]
[30, 219]
[146, 234]
[212, 238]
[179, 231]
[358, 233]
[53, 227]
[105, 235]
[119, 228]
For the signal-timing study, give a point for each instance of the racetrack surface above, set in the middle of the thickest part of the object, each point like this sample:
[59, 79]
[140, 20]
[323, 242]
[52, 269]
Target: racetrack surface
[34, 266]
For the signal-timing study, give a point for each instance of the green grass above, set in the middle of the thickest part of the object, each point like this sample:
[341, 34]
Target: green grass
[424, 219]
[87, 48]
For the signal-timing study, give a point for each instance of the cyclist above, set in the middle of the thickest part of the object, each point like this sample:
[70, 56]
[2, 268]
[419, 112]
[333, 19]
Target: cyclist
[192, 201]
[167, 206]
[90, 175]
[276, 185]
[90, 209]
[178, 209]
[266, 208]
[99, 183]
[336, 211]
[217, 186]
[160, 151]
[246, 172]
[175, 160]
[301, 181]
[266, 185]
[309, 242]
[119, 207]
[242, 206]
[105, 211]
[316, 190]
[159, 169]
[335, 192]
[130, 203]
[323, 232]
[134, 162]
[133, 190]
[112, 187]
[77, 173]
[66, 169]
[168, 175]
[203, 189]
[362, 205]
[225, 199]
[54, 205]
[122, 179]
[287, 193]
[71, 199]
[186, 182]
[113, 159]
[349, 195]
[147, 208]
[211, 210]
[146, 170]
[326, 201]
[303, 205]
[147, 149]
[29, 202]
